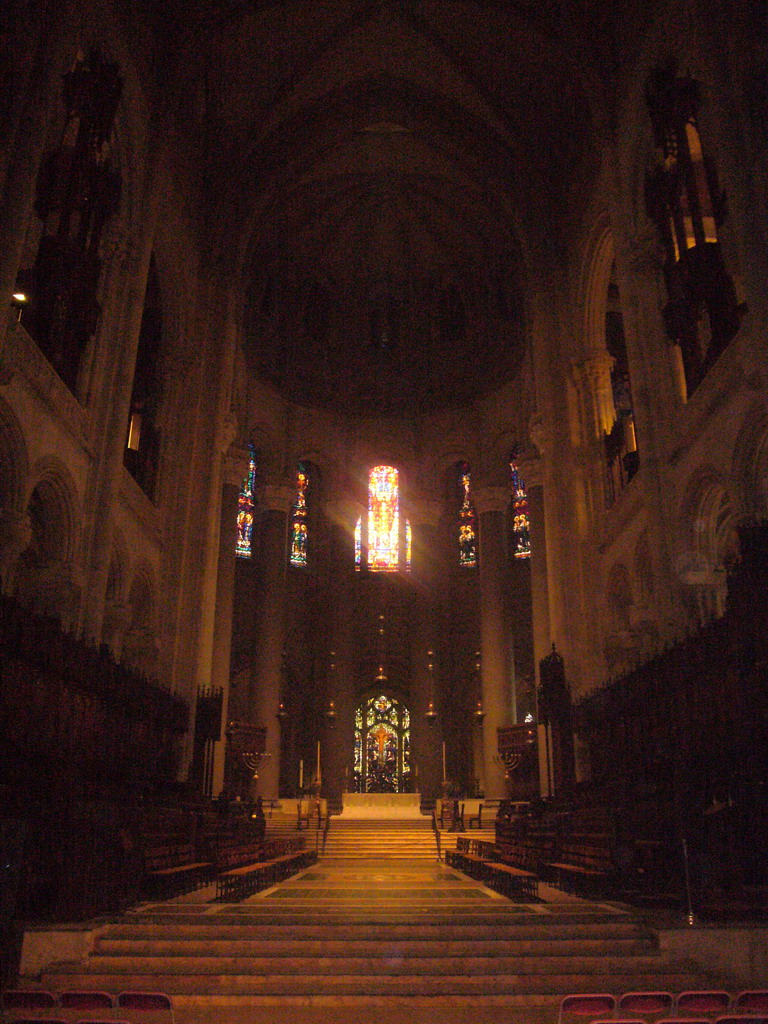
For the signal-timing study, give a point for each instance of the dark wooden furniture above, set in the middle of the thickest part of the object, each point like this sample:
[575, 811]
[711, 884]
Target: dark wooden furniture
[172, 867]
[276, 860]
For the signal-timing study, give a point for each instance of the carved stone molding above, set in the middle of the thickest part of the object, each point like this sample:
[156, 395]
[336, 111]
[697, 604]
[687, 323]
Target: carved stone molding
[276, 497]
[491, 499]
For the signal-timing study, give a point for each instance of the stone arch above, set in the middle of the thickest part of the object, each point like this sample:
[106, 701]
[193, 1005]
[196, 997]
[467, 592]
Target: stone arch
[712, 545]
[116, 609]
[140, 645]
[46, 577]
[750, 464]
[14, 463]
[14, 471]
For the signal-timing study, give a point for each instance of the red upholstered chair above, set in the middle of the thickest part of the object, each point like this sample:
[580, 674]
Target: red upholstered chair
[648, 1005]
[702, 1001]
[149, 1007]
[14, 1019]
[754, 1001]
[84, 1000]
[28, 999]
[685, 1020]
[575, 1008]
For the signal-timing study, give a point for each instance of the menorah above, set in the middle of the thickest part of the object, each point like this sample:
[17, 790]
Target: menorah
[251, 759]
[509, 761]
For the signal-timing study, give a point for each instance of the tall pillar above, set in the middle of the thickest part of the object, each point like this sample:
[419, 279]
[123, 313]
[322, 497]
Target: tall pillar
[276, 500]
[425, 735]
[491, 505]
[338, 733]
[235, 469]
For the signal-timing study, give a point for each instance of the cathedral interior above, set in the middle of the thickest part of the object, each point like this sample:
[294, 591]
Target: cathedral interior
[383, 409]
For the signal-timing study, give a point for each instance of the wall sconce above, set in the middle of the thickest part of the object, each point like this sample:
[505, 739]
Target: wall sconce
[18, 302]
[330, 714]
[281, 714]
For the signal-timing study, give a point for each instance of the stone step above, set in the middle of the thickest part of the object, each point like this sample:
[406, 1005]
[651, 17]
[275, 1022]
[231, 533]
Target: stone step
[370, 947]
[351, 931]
[618, 979]
[391, 962]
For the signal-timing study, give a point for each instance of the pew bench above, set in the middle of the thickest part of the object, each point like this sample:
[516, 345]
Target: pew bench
[243, 881]
[484, 862]
[171, 867]
[583, 867]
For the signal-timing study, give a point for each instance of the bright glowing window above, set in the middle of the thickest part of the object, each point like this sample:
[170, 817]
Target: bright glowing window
[467, 532]
[382, 746]
[299, 520]
[245, 507]
[383, 519]
[383, 542]
[520, 522]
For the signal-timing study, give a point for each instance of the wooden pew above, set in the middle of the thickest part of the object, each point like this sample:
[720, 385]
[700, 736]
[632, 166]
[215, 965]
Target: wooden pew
[278, 859]
[172, 867]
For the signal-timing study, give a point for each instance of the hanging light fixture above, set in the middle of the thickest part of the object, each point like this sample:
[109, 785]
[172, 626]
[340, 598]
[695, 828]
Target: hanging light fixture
[479, 712]
[430, 714]
[381, 675]
[281, 714]
[330, 712]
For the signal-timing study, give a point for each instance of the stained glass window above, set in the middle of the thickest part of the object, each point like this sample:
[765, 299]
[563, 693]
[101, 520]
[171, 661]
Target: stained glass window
[299, 520]
[383, 519]
[382, 746]
[383, 524]
[245, 507]
[467, 531]
[520, 523]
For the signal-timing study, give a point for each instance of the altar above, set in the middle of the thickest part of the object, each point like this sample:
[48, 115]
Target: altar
[381, 805]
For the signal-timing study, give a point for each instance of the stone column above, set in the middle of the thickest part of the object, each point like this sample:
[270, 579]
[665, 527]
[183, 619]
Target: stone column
[111, 413]
[491, 506]
[236, 467]
[337, 734]
[424, 517]
[276, 501]
[657, 407]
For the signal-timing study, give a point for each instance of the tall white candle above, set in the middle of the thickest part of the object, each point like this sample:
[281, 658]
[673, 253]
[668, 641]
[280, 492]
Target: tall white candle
[318, 761]
[444, 775]
[301, 774]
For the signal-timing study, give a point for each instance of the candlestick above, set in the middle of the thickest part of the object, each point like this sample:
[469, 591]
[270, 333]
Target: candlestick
[318, 762]
[444, 775]
[301, 774]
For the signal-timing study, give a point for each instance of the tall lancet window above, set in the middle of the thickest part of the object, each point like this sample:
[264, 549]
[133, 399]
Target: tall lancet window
[383, 519]
[299, 520]
[384, 543]
[245, 507]
[467, 531]
[521, 536]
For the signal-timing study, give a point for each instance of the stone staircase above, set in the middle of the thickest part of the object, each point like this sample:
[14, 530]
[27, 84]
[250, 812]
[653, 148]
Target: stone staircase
[374, 940]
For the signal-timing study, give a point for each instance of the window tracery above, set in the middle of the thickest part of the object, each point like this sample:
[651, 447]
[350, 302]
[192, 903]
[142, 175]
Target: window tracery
[245, 509]
[299, 536]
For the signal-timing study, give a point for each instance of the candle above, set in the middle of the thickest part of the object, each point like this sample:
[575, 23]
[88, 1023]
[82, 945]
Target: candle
[444, 775]
[301, 774]
[318, 762]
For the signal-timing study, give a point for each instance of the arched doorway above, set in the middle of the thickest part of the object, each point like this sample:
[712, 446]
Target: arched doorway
[382, 746]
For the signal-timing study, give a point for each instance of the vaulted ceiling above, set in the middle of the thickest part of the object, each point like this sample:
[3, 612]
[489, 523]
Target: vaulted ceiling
[380, 172]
